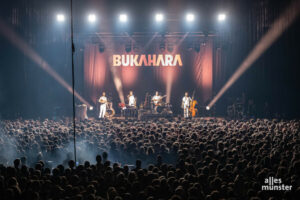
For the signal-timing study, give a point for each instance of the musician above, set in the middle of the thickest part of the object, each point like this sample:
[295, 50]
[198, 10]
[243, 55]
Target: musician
[103, 104]
[186, 100]
[156, 100]
[131, 111]
[131, 100]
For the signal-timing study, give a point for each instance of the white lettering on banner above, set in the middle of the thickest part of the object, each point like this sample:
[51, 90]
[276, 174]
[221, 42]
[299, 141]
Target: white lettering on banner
[147, 60]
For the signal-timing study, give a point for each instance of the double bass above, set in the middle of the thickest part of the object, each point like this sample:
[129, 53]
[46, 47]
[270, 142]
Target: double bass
[193, 110]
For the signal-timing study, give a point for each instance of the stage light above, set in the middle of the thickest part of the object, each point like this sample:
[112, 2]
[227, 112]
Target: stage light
[221, 17]
[101, 48]
[159, 17]
[92, 18]
[128, 47]
[162, 46]
[197, 47]
[60, 17]
[170, 48]
[190, 17]
[123, 18]
[207, 107]
[190, 46]
[91, 107]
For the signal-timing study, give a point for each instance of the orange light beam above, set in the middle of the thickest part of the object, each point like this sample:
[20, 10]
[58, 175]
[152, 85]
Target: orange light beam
[32, 54]
[116, 76]
[170, 77]
[278, 27]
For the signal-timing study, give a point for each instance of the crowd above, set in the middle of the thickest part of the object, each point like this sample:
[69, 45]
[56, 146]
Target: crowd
[153, 160]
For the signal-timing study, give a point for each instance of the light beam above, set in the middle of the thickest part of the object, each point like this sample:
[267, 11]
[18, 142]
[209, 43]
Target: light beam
[116, 76]
[18, 42]
[276, 30]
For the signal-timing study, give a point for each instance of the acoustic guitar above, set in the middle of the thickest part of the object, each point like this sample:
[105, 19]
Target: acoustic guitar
[158, 103]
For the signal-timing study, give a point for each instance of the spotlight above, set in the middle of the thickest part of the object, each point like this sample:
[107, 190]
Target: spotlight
[190, 46]
[197, 47]
[159, 17]
[91, 18]
[91, 107]
[162, 46]
[207, 107]
[128, 47]
[170, 48]
[135, 47]
[60, 17]
[190, 17]
[101, 48]
[123, 18]
[221, 17]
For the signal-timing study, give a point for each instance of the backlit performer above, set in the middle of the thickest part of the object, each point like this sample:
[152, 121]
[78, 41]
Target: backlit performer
[131, 109]
[131, 100]
[103, 104]
[186, 100]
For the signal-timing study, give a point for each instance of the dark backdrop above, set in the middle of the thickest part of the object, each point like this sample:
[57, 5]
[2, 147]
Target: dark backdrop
[27, 91]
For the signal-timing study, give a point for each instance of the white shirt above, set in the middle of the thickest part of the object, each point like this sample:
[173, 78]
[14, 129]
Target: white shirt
[155, 99]
[103, 98]
[186, 101]
[131, 101]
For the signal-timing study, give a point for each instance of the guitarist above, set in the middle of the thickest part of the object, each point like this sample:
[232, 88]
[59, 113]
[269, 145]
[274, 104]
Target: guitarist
[156, 100]
[103, 104]
[185, 105]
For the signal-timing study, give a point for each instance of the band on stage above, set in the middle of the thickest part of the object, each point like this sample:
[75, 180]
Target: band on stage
[155, 103]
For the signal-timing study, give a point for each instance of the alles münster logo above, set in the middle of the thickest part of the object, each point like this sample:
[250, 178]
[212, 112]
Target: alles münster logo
[275, 184]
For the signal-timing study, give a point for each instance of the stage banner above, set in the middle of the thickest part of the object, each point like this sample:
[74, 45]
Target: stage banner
[117, 66]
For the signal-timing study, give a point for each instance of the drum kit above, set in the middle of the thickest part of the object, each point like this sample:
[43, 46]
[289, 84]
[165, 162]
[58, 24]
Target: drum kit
[163, 108]
[127, 110]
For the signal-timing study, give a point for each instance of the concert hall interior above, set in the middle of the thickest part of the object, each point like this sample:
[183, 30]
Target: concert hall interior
[210, 51]
[178, 91]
